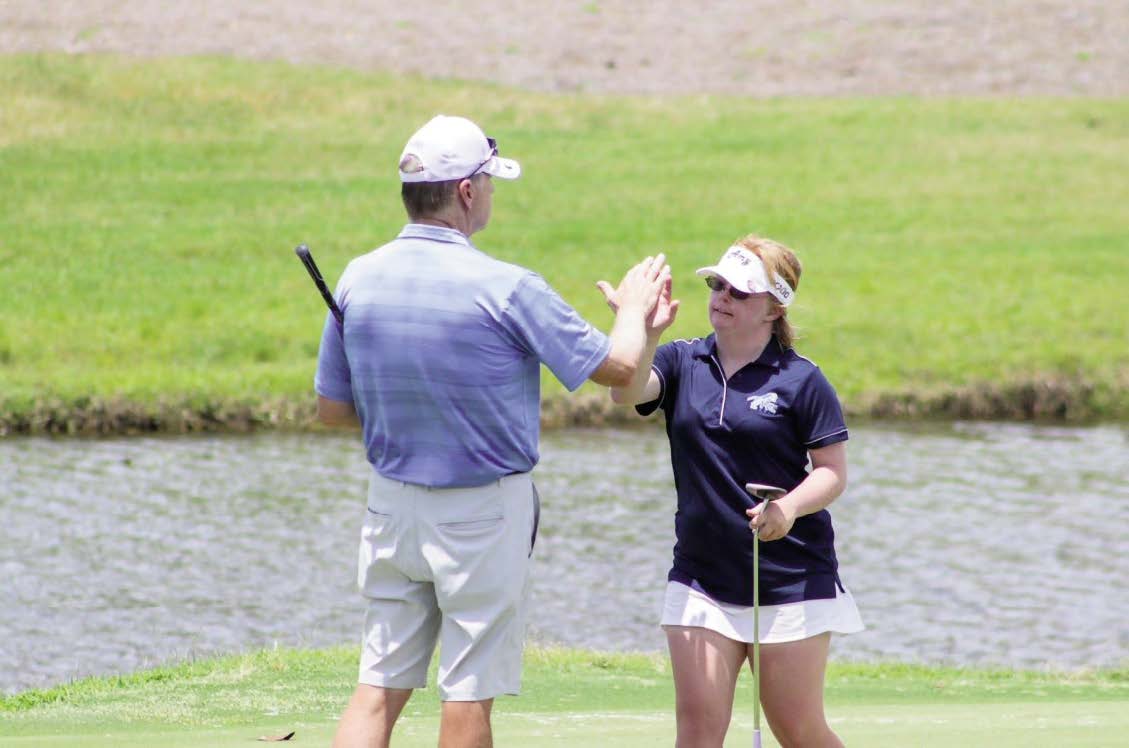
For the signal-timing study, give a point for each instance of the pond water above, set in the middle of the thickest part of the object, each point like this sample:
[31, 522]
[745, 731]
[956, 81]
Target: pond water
[964, 544]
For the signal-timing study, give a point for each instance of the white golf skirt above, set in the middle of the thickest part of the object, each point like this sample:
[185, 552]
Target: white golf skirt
[691, 606]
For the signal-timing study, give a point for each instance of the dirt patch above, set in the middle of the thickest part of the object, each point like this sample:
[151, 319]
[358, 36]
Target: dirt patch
[749, 47]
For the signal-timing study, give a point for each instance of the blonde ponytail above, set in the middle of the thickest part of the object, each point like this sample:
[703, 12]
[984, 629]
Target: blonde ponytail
[782, 261]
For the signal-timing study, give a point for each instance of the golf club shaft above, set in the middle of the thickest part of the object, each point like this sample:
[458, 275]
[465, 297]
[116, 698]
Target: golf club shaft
[765, 494]
[307, 259]
[756, 640]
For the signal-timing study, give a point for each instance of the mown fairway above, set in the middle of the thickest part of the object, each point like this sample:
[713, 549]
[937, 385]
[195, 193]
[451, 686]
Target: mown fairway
[571, 698]
[149, 211]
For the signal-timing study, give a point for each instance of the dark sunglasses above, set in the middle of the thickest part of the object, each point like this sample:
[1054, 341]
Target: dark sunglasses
[717, 284]
[493, 152]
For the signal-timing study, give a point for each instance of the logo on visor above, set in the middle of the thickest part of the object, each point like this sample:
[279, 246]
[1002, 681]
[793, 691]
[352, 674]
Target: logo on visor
[737, 255]
[783, 290]
[763, 403]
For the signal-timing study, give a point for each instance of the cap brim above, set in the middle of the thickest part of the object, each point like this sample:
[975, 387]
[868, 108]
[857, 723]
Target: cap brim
[715, 270]
[503, 168]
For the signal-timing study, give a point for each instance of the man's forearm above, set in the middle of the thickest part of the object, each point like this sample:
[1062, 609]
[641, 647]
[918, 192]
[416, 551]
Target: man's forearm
[633, 392]
[629, 346]
[337, 414]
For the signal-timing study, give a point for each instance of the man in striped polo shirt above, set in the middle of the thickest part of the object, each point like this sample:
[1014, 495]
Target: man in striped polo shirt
[438, 362]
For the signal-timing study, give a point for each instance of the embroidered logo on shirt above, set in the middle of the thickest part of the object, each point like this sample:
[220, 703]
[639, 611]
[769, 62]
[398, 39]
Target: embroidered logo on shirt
[763, 403]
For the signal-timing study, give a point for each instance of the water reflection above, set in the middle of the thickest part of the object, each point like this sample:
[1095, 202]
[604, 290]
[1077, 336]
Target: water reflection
[964, 544]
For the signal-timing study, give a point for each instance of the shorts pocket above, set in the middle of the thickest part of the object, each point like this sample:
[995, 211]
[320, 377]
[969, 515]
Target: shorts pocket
[470, 527]
[375, 524]
[377, 546]
[536, 519]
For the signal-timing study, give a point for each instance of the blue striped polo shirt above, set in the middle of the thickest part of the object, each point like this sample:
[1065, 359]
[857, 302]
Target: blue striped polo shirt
[441, 356]
[755, 427]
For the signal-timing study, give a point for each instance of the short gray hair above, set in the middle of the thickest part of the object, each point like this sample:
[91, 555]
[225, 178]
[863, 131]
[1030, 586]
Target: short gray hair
[425, 199]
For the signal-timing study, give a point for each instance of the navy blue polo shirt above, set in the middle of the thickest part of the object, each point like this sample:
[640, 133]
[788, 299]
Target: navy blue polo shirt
[755, 428]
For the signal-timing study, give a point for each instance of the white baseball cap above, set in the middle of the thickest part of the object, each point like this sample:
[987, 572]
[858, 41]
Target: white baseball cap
[448, 148]
[743, 270]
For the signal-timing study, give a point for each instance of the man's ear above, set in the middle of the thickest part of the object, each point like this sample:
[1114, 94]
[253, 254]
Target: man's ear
[465, 188]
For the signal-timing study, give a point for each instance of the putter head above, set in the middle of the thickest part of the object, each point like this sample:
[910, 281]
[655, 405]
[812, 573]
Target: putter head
[765, 492]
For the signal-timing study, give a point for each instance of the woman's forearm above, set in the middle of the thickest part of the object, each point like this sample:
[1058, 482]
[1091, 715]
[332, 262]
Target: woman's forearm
[822, 486]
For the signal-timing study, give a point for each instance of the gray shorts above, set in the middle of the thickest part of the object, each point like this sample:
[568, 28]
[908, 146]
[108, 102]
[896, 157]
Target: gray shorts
[447, 566]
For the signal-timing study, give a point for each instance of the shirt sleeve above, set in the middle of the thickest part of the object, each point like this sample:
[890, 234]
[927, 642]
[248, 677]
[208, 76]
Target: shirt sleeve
[666, 366]
[333, 379]
[547, 327]
[819, 415]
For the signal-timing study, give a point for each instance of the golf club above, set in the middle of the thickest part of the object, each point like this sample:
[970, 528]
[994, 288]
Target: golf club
[765, 494]
[307, 259]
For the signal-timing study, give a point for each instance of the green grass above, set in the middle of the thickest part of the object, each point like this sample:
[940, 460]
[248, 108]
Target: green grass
[569, 698]
[148, 211]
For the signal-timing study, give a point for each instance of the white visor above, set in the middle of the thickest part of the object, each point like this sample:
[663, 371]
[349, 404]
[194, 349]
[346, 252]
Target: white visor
[744, 271]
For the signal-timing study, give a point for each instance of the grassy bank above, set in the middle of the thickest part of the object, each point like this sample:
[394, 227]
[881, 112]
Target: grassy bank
[569, 698]
[964, 257]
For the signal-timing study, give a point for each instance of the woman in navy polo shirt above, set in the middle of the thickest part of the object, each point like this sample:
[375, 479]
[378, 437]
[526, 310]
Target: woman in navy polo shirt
[742, 406]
